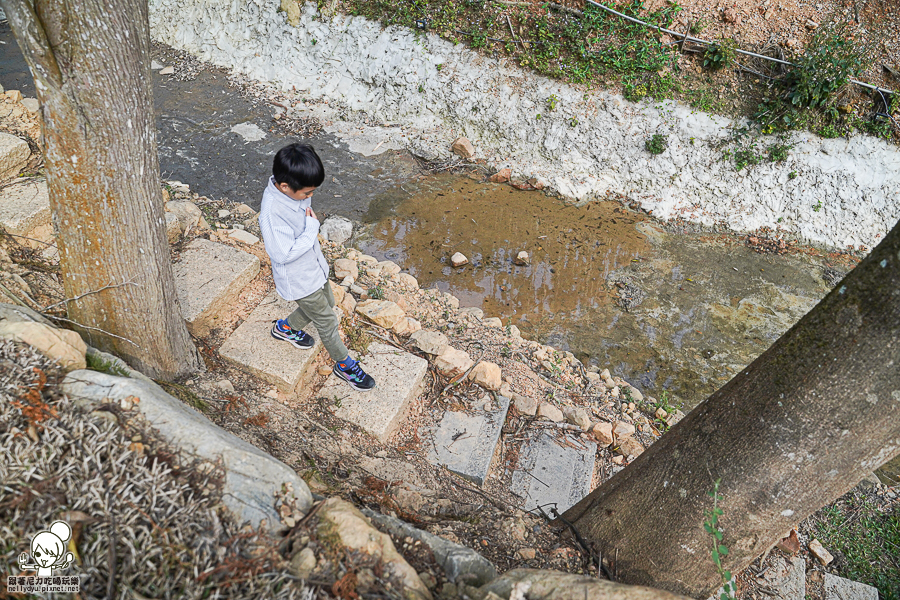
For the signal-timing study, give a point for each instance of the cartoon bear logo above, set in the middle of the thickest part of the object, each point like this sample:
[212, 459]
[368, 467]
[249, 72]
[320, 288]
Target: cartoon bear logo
[48, 550]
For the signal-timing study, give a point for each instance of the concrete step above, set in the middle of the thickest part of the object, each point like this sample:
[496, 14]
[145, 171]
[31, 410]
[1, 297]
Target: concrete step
[208, 279]
[465, 442]
[14, 154]
[25, 212]
[252, 348]
[838, 588]
[399, 377]
[552, 473]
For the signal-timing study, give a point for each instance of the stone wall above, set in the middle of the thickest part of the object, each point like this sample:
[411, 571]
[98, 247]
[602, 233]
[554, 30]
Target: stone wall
[844, 192]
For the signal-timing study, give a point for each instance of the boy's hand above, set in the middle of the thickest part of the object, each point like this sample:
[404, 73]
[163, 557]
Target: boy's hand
[310, 213]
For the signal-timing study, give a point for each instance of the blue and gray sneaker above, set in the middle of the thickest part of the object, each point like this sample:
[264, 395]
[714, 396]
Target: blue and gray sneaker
[282, 331]
[350, 371]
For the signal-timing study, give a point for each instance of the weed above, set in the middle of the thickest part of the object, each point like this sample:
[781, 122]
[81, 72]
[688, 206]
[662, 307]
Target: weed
[778, 152]
[337, 402]
[439, 66]
[376, 292]
[745, 158]
[830, 131]
[656, 144]
[183, 393]
[421, 89]
[537, 117]
[719, 550]
[313, 41]
[96, 362]
[818, 205]
[573, 122]
[551, 102]
[720, 55]
[792, 175]
[357, 339]
[698, 26]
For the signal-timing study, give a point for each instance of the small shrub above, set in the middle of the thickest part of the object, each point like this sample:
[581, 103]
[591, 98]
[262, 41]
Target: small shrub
[745, 158]
[656, 144]
[551, 102]
[792, 175]
[719, 550]
[720, 55]
[778, 152]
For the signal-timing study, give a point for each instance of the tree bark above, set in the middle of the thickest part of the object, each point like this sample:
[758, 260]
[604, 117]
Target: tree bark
[91, 66]
[799, 427]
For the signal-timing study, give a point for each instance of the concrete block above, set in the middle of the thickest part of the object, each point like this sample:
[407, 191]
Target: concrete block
[399, 378]
[465, 442]
[14, 153]
[549, 473]
[25, 211]
[208, 279]
[252, 348]
[838, 588]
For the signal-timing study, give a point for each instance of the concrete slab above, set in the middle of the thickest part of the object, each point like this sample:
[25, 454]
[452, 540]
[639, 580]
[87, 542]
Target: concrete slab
[465, 443]
[208, 279]
[399, 378]
[14, 153]
[785, 579]
[838, 588]
[25, 211]
[549, 473]
[252, 348]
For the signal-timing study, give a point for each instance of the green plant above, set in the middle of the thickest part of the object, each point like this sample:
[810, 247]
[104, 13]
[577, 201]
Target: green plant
[421, 89]
[778, 152]
[792, 175]
[818, 205]
[313, 41]
[720, 55]
[656, 144]
[745, 158]
[439, 66]
[829, 131]
[376, 292]
[573, 122]
[719, 550]
[537, 117]
[551, 102]
[698, 26]
[95, 362]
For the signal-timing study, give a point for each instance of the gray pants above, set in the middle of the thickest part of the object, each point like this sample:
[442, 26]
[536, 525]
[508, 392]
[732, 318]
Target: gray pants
[317, 308]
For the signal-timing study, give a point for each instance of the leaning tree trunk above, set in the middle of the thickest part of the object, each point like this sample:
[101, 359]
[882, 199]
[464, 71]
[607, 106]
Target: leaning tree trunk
[90, 62]
[793, 431]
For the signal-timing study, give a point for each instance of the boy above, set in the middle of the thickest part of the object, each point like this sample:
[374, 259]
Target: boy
[290, 232]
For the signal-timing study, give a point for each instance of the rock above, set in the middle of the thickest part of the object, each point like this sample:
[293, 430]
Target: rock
[622, 429]
[31, 105]
[495, 322]
[545, 584]
[469, 455]
[451, 300]
[604, 375]
[460, 564]
[811, 25]
[388, 267]
[578, 416]
[428, 579]
[452, 362]
[406, 326]
[366, 259]
[618, 459]
[208, 279]
[731, 16]
[14, 153]
[501, 176]
[365, 581]
[526, 553]
[336, 229]
[167, 71]
[592, 377]
[340, 519]
[344, 267]
[224, 213]
[188, 213]
[22, 314]
[472, 311]
[430, 342]
[338, 292]
[383, 313]
[25, 211]
[355, 289]
[525, 404]
[549, 470]
[515, 333]
[522, 259]
[629, 447]
[603, 433]
[303, 563]
[459, 259]
[225, 386]
[661, 413]
[348, 304]
[61, 345]
[252, 477]
[790, 543]
[548, 411]
[636, 395]
[409, 500]
[819, 551]
[406, 280]
[244, 237]
[173, 228]
[838, 588]
[463, 148]
[674, 418]
[243, 209]
[13, 96]
[487, 375]
[785, 578]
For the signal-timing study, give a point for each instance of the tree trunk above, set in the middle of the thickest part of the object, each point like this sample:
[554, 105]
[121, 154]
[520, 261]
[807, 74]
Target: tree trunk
[90, 62]
[796, 429]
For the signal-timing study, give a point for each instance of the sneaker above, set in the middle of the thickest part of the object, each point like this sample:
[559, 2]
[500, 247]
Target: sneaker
[356, 377]
[282, 331]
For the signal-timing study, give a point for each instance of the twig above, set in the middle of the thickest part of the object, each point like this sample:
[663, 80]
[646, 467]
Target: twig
[311, 422]
[25, 237]
[511, 32]
[76, 323]
[12, 296]
[582, 542]
[497, 503]
[461, 378]
[97, 291]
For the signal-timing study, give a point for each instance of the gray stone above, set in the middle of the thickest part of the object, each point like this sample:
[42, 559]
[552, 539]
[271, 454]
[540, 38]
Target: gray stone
[399, 378]
[578, 415]
[244, 237]
[303, 563]
[460, 564]
[430, 342]
[336, 229]
[526, 405]
[14, 153]
[465, 443]
[25, 211]
[544, 584]
[251, 347]
[208, 279]
[785, 578]
[31, 105]
[552, 474]
[838, 588]
[251, 476]
[173, 228]
[472, 311]
[167, 71]
[15, 314]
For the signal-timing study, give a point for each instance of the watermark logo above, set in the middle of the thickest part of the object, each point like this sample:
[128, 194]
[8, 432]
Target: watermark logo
[49, 558]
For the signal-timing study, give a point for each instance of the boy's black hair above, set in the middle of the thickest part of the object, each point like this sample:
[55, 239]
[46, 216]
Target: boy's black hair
[299, 166]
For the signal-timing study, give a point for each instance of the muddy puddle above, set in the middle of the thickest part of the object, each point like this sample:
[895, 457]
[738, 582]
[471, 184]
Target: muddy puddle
[668, 312]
